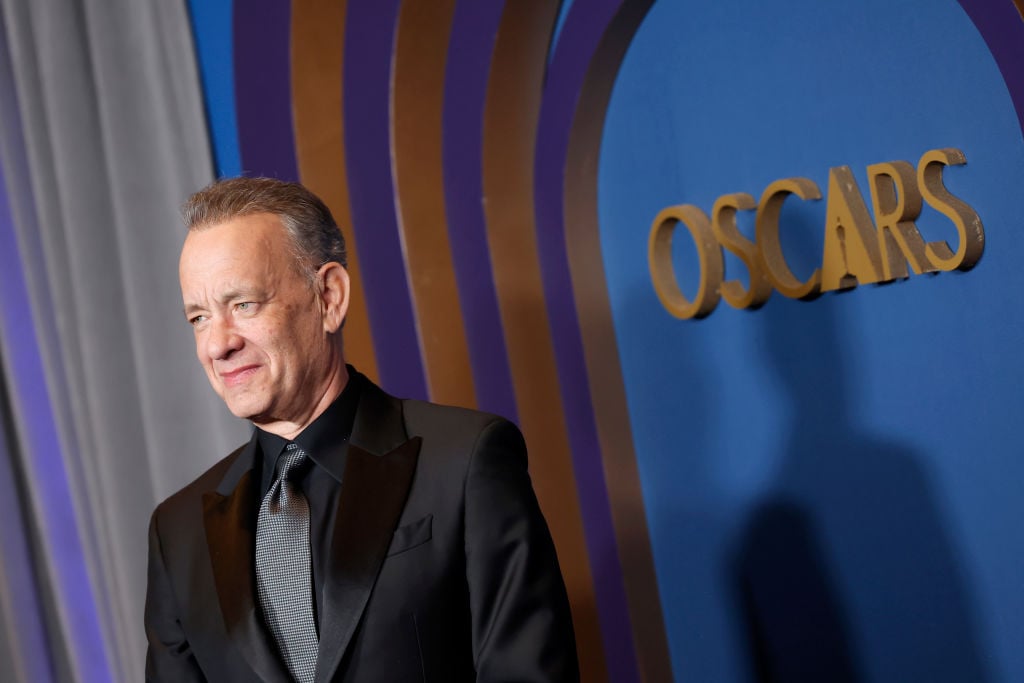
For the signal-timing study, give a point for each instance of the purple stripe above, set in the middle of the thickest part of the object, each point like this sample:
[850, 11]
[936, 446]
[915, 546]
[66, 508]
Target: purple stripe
[1002, 27]
[41, 454]
[369, 39]
[15, 560]
[474, 29]
[263, 88]
[46, 475]
[578, 41]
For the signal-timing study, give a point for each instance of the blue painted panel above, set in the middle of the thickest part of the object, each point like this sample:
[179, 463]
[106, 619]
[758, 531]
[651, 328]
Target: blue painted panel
[830, 485]
[211, 28]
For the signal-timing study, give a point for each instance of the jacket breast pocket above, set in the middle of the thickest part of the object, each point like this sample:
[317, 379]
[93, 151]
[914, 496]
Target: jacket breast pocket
[410, 535]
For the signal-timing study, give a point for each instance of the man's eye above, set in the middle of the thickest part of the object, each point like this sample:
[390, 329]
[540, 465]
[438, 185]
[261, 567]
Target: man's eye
[245, 306]
[196, 319]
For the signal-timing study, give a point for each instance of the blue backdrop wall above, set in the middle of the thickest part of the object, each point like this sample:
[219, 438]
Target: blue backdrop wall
[832, 486]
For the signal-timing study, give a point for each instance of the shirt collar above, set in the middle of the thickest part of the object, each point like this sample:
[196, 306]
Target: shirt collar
[325, 440]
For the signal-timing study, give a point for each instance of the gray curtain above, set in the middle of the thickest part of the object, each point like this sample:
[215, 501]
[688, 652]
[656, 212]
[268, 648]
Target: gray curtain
[102, 136]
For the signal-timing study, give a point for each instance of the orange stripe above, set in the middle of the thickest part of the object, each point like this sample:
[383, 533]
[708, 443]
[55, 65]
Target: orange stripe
[318, 40]
[601, 351]
[421, 46]
[510, 128]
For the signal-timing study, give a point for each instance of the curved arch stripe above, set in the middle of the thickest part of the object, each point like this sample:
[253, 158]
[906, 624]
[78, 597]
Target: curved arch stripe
[600, 349]
[469, 54]
[509, 130]
[1001, 25]
[417, 85]
[576, 290]
[263, 89]
[317, 44]
[366, 101]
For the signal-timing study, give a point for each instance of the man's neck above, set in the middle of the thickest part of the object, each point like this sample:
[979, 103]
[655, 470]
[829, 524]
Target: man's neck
[287, 429]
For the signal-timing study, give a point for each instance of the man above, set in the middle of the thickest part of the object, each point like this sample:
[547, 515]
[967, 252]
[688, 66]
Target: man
[356, 537]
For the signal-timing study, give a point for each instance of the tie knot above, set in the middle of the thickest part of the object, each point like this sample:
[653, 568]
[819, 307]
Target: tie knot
[291, 459]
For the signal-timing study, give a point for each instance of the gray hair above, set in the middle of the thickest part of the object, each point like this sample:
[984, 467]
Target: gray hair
[315, 237]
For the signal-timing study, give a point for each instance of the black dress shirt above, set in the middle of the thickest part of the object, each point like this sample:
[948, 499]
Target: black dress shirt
[325, 441]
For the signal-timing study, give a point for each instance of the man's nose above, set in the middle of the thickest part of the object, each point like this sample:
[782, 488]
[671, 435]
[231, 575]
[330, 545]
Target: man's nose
[222, 339]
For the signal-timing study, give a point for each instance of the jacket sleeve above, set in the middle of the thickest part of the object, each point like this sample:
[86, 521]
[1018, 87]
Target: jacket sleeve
[169, 658]
[521, 623]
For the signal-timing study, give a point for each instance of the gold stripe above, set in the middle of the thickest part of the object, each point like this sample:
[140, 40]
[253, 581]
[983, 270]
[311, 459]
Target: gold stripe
[601, 351]
[318, 40]
[417, 98]
[512, 109]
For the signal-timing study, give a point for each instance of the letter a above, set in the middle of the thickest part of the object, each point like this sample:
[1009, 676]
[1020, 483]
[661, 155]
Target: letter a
[851, 243]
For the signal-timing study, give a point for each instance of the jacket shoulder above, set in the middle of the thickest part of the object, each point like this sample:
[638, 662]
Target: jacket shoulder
[423, 418]
[204, 483]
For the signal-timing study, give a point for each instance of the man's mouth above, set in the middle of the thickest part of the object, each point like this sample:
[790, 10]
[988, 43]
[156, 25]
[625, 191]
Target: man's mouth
[238, 375]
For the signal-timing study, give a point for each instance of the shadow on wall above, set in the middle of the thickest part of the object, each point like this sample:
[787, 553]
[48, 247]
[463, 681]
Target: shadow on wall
[844, 571]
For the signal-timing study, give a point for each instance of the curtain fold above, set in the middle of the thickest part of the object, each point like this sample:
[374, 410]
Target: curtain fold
[106, 139]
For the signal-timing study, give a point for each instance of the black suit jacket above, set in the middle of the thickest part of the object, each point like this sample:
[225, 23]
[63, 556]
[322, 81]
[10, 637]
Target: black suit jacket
[441, 566]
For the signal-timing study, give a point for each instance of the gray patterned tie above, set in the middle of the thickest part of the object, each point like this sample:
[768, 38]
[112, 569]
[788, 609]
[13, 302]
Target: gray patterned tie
[283, 569]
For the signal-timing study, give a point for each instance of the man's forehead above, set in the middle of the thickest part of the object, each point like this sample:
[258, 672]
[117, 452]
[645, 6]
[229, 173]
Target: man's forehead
[239, 254]
[246, 238]
[246, 225]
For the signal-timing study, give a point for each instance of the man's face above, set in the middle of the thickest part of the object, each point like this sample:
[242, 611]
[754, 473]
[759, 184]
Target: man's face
[261, 333]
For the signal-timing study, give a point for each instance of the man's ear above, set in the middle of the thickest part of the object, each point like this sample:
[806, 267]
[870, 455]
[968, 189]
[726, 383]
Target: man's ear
[333, 284]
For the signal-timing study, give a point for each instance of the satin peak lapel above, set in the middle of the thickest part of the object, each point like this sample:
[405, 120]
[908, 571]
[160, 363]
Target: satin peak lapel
[230, 521]
[373, 494]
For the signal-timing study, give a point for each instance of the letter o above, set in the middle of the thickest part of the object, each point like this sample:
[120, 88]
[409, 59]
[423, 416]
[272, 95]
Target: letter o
[663, 275]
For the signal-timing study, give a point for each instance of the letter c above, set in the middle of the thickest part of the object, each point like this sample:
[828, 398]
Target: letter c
[766, 231]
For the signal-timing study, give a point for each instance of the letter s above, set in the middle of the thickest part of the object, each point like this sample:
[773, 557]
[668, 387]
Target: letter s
[967, 222]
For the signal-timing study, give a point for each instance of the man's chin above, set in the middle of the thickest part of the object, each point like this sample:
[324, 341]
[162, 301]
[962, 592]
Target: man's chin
[247, 410]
